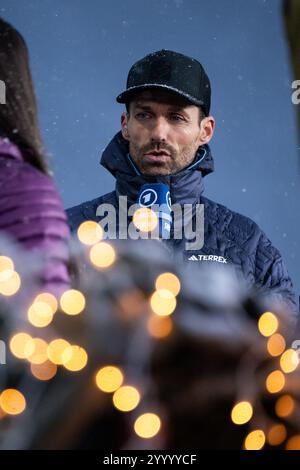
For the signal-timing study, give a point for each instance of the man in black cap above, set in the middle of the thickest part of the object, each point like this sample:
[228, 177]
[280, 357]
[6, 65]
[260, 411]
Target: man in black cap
[164, 140]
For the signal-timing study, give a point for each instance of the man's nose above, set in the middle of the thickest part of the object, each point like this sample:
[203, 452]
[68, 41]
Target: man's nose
[160, 130]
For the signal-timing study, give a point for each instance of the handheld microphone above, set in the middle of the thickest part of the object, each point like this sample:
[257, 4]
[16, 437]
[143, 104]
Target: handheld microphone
[156, 196]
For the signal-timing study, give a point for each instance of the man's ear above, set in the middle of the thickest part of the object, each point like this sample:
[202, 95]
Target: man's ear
[124, 125]
[207, 126]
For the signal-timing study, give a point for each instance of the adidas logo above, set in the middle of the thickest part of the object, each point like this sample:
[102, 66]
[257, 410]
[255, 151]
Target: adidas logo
[218, 259]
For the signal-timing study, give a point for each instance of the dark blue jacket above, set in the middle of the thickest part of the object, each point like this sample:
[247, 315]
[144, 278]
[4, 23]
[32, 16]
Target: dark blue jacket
[228, 235]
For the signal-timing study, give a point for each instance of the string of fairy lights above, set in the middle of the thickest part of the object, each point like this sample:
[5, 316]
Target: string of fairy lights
[275, 381]
[46, 357]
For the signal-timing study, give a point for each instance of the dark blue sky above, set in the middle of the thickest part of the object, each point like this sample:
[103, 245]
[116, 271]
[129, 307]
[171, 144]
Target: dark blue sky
[80, 55]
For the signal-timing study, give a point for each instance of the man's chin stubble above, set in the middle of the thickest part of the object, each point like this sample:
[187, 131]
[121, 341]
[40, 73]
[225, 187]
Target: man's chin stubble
[156, 170]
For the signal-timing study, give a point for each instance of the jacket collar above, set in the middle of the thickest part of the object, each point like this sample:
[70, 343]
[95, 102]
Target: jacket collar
[185, 186]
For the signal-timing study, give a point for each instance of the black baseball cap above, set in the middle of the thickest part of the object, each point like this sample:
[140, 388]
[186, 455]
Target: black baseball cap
[172, 71]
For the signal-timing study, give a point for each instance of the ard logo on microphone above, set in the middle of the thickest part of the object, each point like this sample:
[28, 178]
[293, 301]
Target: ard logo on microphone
[148, 197]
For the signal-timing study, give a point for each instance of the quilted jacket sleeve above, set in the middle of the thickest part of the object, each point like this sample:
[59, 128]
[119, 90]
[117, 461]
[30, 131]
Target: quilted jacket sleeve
[272, 276]
[32, 213]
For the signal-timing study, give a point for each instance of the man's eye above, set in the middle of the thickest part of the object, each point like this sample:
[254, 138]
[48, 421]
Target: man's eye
[142, 115]
[177, 117]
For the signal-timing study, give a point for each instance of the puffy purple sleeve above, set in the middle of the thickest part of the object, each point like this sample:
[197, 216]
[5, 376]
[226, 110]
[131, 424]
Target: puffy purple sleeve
[31, 211]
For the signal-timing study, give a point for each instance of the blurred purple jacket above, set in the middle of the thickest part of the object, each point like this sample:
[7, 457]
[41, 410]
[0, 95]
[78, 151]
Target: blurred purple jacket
[32, 213]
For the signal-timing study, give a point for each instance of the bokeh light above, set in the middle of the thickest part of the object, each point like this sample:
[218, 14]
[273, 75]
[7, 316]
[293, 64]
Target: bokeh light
[74, 358]
[284, 406]
[39, 354]
[289, 361]
[255, 440]
[241, 412]
[277, 434]
[147, 425]
[45, 371]
[126, 398]
[163, 302]
[276, 345]
[90, 232]
[56, 349]
[6, 268]
[72, 302]
[102, 255]
[109, 379]
[40, 314]
[11, 285]
[49, 299]
[293, 443]
[275, 381]
[145, 219]
[12, 401]
[21, 345]
[168, 281]
[159, 327]
[131, 304]
[267, 324]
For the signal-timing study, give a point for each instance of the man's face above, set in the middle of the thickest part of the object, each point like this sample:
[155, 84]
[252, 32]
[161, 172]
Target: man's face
[163, 131]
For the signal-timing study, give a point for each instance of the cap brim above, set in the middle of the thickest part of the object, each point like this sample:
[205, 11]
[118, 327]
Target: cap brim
[127, 95]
